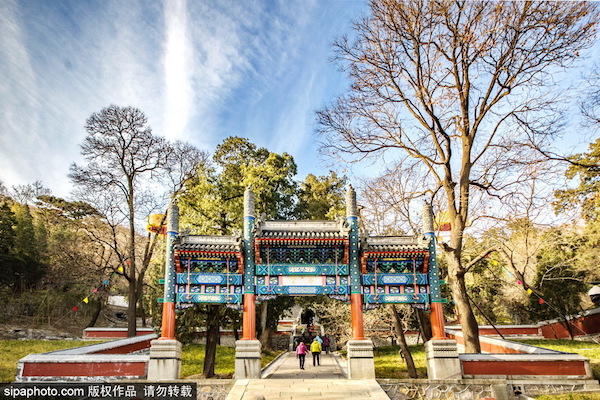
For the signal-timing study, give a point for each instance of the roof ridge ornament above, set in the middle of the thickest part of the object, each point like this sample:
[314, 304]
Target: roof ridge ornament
[351, 207]
[249, 209]
[173, 218]
[427, 218]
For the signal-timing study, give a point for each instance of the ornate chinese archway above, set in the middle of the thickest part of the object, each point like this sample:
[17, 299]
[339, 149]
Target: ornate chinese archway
[301, 258]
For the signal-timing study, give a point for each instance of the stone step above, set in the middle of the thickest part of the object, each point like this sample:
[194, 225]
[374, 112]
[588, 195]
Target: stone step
[305, 389]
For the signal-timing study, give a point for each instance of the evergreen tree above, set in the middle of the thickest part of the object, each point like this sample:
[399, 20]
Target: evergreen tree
[7, 229]
[9, 264]
[585, 198]
[321, 197]
[559, 283]
[212, 204]
[585, 167]
[30, 264]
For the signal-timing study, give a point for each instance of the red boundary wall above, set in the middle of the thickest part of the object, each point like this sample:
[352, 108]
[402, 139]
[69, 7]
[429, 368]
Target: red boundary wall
[587, 323]
[65, 368]
[509, 360]
[112, 333]
[511, 368]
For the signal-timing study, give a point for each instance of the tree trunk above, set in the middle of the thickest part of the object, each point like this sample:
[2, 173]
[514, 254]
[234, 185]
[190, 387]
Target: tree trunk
[264, 332]
[410, 364]
[424, 324]
[212, 338]
[568, 326]
[132, 311]
[96, 314]
[236, 332]
[131, 270]
[143, 313]
[469, 327]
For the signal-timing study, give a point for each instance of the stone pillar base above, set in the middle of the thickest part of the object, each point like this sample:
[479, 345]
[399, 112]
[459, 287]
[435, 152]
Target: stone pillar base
[360, 359]
[165, 360]
[247, 359]
[442, 359]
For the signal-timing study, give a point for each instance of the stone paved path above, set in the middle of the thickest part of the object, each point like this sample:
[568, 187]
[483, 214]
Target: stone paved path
[286, 381]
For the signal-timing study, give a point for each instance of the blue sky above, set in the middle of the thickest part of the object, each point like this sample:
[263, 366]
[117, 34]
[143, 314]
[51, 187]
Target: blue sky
[200, 70]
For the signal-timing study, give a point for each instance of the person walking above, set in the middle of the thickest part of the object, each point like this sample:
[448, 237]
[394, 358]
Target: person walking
[315, 349]
[301, 351]
[326, 344]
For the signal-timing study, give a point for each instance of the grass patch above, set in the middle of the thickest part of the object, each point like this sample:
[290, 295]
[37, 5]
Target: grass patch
[589, 350]
[390, 365]
[11, 351]
[570, 396]
[388, 362]
[192, 360]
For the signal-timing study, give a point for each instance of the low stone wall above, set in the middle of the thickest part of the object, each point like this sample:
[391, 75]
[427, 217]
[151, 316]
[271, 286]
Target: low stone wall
[476, 389]
[505, 330]
[511, 360]
[118, 359]
[423, 389]
[211, 389]
[280, 341]
[501, 346]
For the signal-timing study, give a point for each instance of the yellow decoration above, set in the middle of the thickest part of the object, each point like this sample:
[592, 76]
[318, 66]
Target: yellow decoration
[529, 291]
[86, 300]
[156, 224]
[120, 269]
[442, 221]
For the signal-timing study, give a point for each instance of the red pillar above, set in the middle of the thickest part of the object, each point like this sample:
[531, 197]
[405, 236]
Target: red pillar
[249, 318]
[437, 322]
[356, 317]
[168, 321]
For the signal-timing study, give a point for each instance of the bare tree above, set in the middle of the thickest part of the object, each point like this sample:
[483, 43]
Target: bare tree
[125, 165]
[26, 194]
[589, 104]
[388, 203]
[462, 90]
[3, 190]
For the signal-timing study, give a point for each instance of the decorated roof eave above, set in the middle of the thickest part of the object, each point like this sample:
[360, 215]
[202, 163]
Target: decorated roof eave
[302, 229]
[395, 243]
[209, 243]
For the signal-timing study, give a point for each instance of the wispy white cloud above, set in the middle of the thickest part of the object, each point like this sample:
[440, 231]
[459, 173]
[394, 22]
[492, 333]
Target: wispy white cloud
[219, 62]
[200, 71]
[246, 55]
[18, 97]
[178, 67]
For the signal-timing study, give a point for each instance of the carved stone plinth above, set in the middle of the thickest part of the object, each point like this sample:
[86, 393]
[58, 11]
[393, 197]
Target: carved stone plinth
[442, 359]
[360, 359]
[165, 360]
[247, 359]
